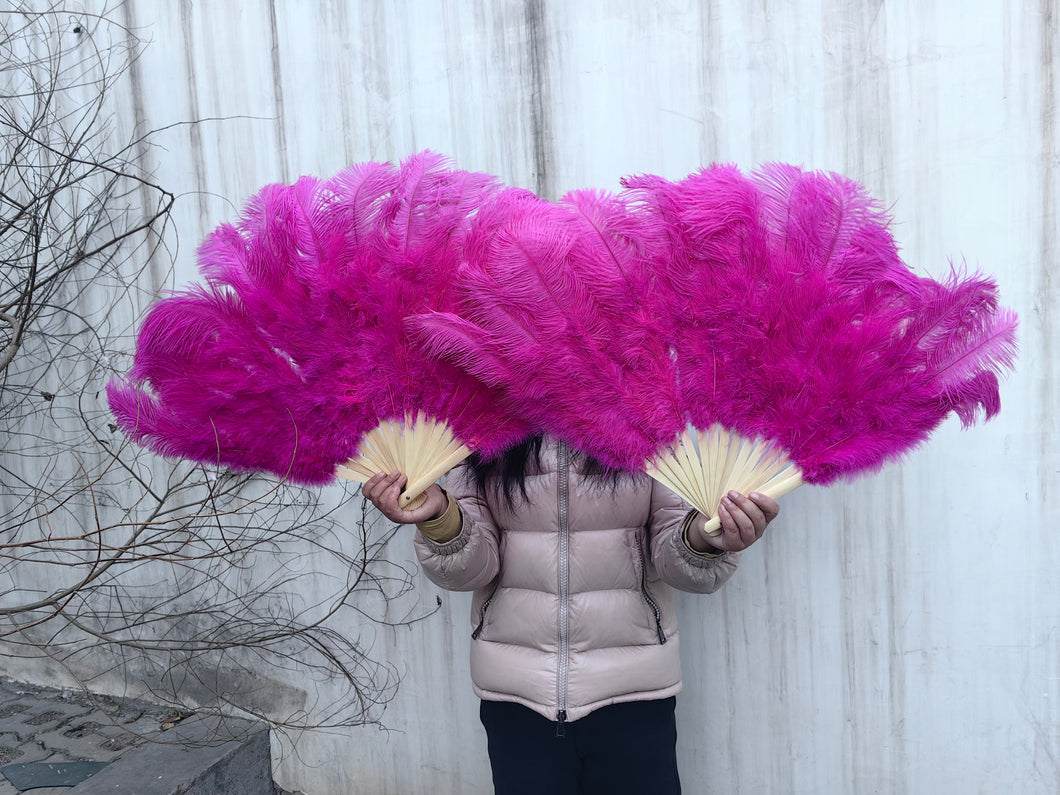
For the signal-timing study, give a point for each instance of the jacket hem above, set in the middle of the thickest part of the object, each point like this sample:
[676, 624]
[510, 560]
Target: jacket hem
[577, 712]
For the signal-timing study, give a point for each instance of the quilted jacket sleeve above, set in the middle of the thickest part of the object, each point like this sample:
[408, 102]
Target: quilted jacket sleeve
[472, 559]
[675, 562]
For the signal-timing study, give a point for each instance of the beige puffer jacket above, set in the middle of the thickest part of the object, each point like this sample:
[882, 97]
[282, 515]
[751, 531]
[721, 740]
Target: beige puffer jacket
[573, 607]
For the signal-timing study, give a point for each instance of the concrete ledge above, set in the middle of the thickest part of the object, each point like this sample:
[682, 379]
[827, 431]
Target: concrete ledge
[199, 756]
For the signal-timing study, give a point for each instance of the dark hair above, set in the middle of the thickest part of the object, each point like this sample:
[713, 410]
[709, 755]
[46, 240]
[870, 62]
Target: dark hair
[507, 472]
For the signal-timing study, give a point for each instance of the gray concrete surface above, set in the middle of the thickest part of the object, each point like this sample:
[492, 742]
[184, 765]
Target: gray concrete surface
[150, 749]
[198, 756]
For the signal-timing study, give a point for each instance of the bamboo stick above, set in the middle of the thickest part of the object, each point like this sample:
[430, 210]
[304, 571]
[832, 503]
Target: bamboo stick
[416, 487]
[354, 470]
[693, 465]
[674, 477]
[664, 470]
[678, 460]
[701, 451]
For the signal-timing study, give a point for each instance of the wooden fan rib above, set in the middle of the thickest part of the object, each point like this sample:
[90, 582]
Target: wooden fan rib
[663, 469]
[691, 465]
[416, 487]
[354, 471]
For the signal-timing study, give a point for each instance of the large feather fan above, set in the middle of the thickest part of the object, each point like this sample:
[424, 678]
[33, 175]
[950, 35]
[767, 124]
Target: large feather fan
[769, 316]
[806, 349]
[293, 357]
[407, 266]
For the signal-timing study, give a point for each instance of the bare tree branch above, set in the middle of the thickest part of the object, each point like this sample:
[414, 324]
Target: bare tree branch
[214, 589]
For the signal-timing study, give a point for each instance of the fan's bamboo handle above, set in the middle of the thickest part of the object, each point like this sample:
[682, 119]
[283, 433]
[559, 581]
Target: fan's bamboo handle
[713, 526]
[778, 490]
[421, 484]
[413, 502]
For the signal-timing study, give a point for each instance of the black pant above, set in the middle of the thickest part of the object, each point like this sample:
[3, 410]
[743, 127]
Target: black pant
[623, 749]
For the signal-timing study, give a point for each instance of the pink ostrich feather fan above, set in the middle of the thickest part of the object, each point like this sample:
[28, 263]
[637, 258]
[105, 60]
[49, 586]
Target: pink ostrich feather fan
[294, 351]
[805, 348]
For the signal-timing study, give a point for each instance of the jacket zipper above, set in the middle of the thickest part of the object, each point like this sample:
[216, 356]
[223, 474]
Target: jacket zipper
[486, 605]
[647, 596]
[482, 612]
[564, 588]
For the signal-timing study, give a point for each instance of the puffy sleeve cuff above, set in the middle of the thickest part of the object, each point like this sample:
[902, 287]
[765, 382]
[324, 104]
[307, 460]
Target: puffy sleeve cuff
[691, 519]
[446, 527]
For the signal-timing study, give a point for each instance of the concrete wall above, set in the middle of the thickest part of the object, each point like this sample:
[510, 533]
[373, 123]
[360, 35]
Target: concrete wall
[897, 634]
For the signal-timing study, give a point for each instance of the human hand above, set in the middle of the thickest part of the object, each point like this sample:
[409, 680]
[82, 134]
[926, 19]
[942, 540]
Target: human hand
[743, 521]
[383, 491]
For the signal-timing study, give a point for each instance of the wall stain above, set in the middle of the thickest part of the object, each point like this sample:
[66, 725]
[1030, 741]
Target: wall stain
[542, 140]
[710, 69]
[338, 22]
[277, 85]
[153, 272]
[378, 110]
[1046, 298]
[196, 150]
[896, 533]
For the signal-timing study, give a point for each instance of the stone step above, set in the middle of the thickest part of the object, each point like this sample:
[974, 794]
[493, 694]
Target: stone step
[201, 755]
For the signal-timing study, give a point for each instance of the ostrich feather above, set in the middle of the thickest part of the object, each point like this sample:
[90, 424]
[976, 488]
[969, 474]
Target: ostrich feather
[206, 384]
[895, 353]
[221, 362]
[415, 253]
[550, 313]
[967, 341]
[711, 284]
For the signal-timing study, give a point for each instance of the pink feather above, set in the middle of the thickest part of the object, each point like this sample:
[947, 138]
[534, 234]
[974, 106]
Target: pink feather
[551, 313]
[967, 341]
[415, 253]
[217, 364]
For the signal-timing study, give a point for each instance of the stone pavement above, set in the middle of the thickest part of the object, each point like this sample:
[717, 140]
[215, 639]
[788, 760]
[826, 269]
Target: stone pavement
[60, 727]
[39, 724]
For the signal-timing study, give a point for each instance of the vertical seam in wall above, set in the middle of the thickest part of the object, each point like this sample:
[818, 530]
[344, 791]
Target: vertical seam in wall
[346, 96]
[277, 86]
[1045, 287]
[540, 115]
[897, 588]
[194, 132]
[711, 58]
[140, 129]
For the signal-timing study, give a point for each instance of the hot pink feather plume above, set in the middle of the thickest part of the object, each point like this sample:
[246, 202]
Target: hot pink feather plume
[405, 267]
[775, 304]
[551, 312]
[231, 372]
